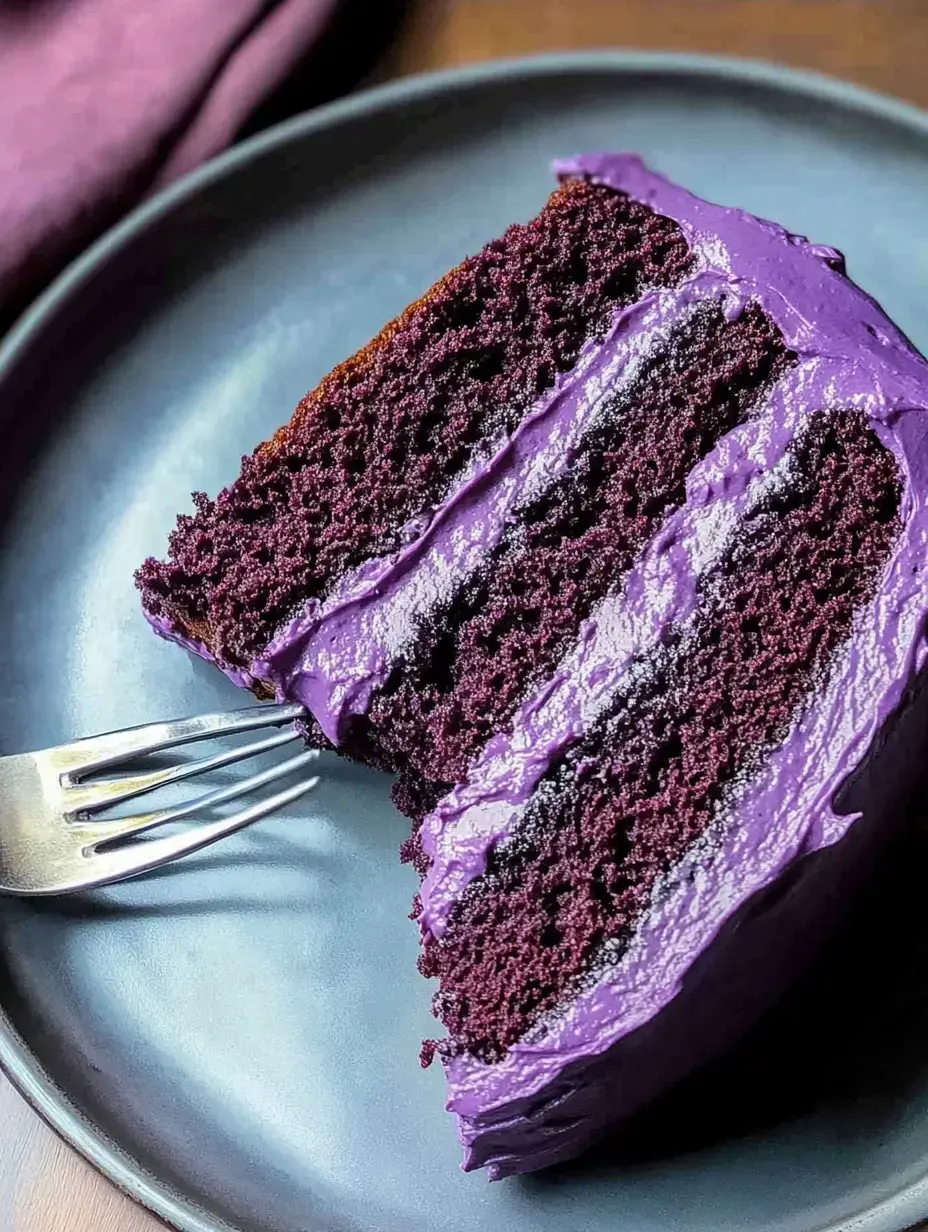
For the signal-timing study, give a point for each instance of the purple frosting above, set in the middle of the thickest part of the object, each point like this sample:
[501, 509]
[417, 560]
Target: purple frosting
[707, 946]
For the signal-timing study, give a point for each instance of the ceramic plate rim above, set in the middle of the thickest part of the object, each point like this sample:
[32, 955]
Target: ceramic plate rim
[910, 1202]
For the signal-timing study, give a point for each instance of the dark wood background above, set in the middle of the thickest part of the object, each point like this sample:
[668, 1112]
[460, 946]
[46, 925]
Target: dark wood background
[44, 1186]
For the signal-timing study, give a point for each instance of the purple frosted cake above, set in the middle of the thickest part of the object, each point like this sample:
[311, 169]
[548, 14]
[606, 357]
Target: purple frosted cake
[612, 550]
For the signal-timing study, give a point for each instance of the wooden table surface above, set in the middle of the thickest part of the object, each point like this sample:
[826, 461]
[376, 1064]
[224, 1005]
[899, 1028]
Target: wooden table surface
[44, 1186]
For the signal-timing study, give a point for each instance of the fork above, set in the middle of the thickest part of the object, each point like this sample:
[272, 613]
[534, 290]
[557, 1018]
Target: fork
[49, 840]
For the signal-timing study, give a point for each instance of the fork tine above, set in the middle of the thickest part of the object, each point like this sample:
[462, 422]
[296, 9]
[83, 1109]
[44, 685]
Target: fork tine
[96, 752]
[107, 866]
[91, 797]
[99, 832]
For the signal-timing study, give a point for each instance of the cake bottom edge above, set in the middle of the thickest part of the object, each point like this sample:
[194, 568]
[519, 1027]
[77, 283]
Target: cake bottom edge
[775, 938]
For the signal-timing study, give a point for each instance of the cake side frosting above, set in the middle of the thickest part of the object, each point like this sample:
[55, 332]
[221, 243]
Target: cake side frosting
[850, 356]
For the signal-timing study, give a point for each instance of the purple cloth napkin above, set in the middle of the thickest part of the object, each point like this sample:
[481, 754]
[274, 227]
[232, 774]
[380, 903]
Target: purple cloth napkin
[103, 100]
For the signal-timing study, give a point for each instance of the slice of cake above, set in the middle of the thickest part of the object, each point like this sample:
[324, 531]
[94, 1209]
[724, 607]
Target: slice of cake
[612, 549]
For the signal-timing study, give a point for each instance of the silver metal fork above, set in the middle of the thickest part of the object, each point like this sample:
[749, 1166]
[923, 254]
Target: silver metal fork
[49, 842]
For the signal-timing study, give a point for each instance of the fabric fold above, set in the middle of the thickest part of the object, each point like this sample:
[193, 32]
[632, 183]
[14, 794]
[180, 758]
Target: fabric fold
[100, 102]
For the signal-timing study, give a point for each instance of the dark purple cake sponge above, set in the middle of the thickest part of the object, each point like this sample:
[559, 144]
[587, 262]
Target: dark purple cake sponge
[624, 806]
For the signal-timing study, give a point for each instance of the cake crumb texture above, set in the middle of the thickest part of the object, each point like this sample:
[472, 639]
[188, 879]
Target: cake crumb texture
[620, 809]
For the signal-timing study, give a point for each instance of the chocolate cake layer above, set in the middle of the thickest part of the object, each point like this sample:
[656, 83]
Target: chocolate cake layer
[386, 434]
[507, 627]
[621, 808]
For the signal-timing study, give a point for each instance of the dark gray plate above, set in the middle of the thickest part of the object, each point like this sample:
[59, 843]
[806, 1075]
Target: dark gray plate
[234, 1041]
